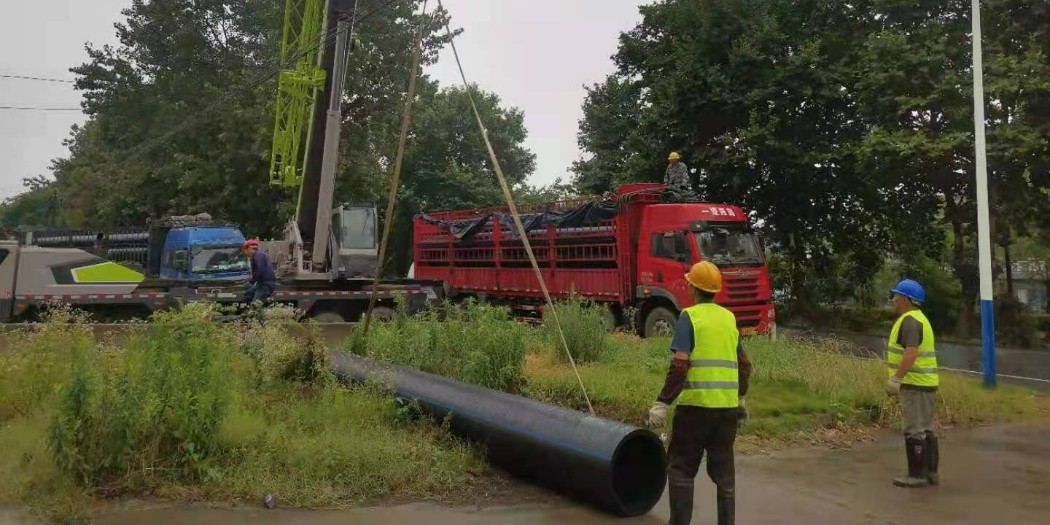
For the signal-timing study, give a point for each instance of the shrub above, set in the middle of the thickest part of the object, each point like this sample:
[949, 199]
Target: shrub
[36, 362]
[474, 343]
[585, 328]
[159, 412]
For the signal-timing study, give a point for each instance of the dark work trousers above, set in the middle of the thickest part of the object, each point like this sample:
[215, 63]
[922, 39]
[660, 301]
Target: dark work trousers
[695, 431]
[260, 291]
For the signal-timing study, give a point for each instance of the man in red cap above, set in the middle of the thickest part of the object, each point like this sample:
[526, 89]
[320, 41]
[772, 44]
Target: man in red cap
[263, 279]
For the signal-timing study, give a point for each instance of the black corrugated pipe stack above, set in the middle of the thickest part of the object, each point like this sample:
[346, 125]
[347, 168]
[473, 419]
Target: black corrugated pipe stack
[616, 467]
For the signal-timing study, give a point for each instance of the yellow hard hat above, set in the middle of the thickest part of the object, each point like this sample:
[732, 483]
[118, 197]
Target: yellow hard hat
[705, 276]
[674, 156]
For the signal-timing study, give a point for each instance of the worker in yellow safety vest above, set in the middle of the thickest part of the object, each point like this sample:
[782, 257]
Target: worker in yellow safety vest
[709, 377]
[911, 362]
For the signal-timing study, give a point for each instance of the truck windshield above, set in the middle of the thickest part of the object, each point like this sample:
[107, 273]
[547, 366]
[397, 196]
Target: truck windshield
[358, 229]
[217, 259]
[729, 247]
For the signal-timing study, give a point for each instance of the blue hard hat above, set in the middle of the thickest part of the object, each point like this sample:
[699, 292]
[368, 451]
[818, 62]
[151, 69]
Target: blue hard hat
[910, 289]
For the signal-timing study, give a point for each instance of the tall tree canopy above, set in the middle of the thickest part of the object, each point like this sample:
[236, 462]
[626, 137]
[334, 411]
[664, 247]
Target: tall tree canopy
[181, 121]
[845, 126]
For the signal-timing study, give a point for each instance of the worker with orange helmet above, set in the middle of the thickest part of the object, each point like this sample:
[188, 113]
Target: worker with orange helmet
[262, 279]
[709, 377]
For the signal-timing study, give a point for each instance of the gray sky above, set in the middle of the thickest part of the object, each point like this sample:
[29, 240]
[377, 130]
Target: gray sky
[536, 54]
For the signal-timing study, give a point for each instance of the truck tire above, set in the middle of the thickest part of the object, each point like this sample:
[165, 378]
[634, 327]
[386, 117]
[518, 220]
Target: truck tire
[328, 317]
[660, 321]
[381, 313]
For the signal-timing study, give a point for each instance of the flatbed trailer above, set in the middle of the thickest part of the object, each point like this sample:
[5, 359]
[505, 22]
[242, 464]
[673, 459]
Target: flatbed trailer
[628, 252]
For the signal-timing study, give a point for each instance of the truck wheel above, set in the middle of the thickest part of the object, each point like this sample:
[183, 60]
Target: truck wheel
[381, 313]
[659, 322]
[329, 317]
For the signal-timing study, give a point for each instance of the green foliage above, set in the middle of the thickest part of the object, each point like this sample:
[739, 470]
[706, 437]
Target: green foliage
[286, 351]
[163, 412]
[29, 381]
[474, 343]
[187, 409]
[797, 388]
[846, 127]
[584, 326]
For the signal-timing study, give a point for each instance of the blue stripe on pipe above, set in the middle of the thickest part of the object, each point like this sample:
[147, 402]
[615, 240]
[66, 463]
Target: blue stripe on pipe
[988, 342]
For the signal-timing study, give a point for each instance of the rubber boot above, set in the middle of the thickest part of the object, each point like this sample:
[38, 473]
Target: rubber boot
[916, 478]
[680, 496]
[933, 456]
[726, 498]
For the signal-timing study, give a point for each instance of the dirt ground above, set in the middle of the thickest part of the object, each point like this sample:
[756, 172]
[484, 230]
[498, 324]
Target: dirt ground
[989, 475]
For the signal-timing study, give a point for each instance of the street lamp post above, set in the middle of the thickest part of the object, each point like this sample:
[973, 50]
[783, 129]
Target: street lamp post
[984, 241]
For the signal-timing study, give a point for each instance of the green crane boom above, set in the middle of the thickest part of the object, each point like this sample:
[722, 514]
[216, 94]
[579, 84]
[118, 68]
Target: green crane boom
[297, 89]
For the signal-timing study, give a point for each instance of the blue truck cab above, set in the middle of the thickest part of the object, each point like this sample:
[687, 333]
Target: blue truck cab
[202, 254]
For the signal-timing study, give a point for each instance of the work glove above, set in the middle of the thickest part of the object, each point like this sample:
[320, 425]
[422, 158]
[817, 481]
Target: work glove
[893, 386]
[658, 415]
[742, 413]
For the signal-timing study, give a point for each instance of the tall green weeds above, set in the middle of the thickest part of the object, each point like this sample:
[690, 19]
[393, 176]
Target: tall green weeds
[585, 327]
[161, 414]
[474, 343]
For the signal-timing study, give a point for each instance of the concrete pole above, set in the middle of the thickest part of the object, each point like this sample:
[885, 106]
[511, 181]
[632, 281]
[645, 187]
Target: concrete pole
[984, 240]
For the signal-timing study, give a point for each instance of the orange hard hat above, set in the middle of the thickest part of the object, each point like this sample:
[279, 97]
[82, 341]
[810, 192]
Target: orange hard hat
[705, 276]
[250, 243]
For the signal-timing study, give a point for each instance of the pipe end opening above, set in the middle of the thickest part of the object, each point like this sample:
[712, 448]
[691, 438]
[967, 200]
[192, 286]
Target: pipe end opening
[639, 472]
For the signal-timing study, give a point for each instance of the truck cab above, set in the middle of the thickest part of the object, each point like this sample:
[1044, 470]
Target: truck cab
[203, 254]
[673, 237]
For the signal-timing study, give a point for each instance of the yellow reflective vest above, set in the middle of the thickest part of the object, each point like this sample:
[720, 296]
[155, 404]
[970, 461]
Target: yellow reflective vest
[924, 371]
[712, 380]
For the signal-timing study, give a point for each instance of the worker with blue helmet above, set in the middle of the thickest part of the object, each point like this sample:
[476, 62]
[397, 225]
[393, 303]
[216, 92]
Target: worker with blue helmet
[911, 362]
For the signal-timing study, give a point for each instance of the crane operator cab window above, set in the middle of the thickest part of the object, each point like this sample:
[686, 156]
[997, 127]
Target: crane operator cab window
[355, 227]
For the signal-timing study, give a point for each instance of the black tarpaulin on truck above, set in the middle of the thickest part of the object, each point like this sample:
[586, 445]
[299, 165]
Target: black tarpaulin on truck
[588, 214]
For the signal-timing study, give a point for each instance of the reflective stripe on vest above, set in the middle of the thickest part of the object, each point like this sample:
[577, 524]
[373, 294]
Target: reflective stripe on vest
[712, 380]
[924, 371]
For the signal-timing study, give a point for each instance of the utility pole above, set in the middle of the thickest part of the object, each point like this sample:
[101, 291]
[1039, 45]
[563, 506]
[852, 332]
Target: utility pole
[984, 240]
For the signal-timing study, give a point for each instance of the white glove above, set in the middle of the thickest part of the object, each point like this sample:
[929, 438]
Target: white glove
[744, 415]
[658, 415]
[893, 386]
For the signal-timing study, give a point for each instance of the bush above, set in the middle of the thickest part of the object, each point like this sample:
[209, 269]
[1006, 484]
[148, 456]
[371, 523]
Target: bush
[585, 328]
[36, 363]
[474, 343]
[286, 351]
[160, 414]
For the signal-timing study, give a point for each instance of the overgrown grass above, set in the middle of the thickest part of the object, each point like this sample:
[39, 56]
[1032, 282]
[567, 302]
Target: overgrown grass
[474, 343]
[584, 326]
[188, 409]
[797, 388]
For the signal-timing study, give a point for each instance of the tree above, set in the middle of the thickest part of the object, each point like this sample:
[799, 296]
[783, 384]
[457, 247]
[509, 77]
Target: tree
[757, 94]
[447, 165]
[181, 113]
[916, 94]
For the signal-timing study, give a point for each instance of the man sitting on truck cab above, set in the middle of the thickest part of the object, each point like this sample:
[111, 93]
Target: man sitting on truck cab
[262, 280]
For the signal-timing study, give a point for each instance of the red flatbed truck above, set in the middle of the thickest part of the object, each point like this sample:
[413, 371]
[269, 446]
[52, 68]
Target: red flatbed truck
[628, 251]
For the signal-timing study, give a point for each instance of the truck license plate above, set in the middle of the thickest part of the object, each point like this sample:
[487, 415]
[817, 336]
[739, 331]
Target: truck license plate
[748, 331]
[224, 295]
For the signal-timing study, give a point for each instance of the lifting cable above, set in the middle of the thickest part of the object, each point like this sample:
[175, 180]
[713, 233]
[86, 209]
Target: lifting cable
[395, 177]
[514, 213]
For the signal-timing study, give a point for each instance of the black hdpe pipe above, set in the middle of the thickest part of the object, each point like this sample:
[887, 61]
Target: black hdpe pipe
[616, 467]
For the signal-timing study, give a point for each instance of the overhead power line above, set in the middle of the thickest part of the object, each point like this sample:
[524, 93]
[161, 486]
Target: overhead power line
[40, 79]
[30, 108]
